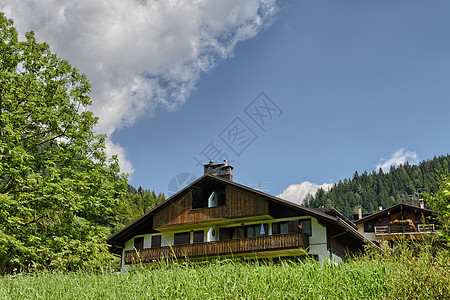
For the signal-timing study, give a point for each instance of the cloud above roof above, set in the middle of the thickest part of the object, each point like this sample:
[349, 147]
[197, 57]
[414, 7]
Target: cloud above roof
[140, 55]
[297, 192]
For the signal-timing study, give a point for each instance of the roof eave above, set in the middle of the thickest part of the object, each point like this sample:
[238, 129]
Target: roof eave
[379, 213]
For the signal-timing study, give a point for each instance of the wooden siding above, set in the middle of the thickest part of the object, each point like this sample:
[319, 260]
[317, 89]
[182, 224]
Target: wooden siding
[228, 247]
[239, 203]
[245, 203]
[174, 212]
[400, 214]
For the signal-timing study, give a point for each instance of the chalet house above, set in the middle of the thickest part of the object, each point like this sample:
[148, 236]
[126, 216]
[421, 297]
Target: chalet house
[216, 217]
[401, 220]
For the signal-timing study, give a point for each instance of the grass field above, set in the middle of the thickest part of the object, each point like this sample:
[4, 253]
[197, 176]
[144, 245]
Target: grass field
[405, 276]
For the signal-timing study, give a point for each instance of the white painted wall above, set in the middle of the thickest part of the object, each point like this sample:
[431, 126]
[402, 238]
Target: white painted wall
[318, 240]
[368, 235]
[213, 200]
[213, 234]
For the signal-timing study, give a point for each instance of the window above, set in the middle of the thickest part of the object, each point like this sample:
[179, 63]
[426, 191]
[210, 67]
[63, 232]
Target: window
[250, 231]
[304, 226]
[225, 233]
[199, 198]
[369, 227]
[256, 230]
[275, 228]
[240, 234]
[209, 194]
[182, 238]
[216, 199]
[293, 226]
[280, 228]
[199, 236]
[156, 241]
[139, 243]
[213, 200]
[284, 227]
[222, 198]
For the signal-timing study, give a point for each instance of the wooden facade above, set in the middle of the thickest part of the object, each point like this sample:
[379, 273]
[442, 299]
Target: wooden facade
[239, 203]
[214, 249]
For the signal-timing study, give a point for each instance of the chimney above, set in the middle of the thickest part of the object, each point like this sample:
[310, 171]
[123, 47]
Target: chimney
[421, 203]
[380, 206]
[223, 170]
[359, 212]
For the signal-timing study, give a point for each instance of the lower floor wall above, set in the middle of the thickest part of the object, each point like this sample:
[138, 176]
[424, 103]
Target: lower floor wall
[318, 247]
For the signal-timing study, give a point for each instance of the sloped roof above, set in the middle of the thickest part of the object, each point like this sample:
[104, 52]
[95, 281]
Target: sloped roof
[391, 209]
[333, 212]
[327, 215]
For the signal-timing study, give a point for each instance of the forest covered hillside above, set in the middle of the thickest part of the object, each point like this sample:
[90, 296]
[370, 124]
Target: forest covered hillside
[134, 204]
[402, 184]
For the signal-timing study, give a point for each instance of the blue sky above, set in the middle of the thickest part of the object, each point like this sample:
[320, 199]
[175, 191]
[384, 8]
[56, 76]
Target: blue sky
[355, 81]
[358, 84]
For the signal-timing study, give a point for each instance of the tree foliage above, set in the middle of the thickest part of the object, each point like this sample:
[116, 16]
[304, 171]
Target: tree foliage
[402, 184]
[440, 203]
[57, 186]
[134, 204]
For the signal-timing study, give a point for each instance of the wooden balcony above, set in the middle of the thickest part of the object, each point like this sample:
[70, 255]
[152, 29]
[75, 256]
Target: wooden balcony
[219, 248]
[404, 228]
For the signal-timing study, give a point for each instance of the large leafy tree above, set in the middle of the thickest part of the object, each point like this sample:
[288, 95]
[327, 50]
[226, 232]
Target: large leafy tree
[57, 187]
[440, 203]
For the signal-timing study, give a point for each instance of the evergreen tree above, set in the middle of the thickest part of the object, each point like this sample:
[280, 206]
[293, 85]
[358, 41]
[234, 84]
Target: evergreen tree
[401, 184]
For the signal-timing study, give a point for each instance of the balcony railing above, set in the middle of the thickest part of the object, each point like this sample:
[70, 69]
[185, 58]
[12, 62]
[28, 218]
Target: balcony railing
[404, 228]
[227, 247]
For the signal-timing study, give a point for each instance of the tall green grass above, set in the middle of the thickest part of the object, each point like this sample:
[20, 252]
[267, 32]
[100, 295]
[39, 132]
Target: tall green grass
[375, 276]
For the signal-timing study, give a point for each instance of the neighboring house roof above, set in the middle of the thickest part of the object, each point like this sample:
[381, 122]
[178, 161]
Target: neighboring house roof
[392, 209]
[333, 212]
[356, 216]
[138, 226]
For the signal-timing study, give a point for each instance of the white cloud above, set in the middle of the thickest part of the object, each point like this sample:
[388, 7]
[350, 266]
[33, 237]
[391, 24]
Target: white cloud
[115, 149]
[397, 158]
[140, 54]
[297, 192]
